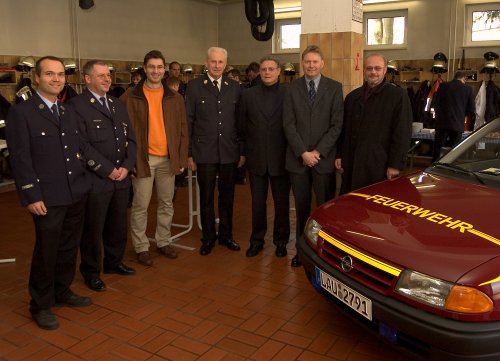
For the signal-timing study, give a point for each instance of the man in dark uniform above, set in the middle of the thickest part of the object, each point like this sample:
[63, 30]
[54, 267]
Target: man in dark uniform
[261, 117]
[214, 146]
[46, 152]
[105, 122]
[453, 102]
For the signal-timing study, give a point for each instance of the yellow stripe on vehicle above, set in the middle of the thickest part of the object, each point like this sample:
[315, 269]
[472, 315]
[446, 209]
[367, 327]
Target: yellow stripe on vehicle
[427, 214]
[361, 256]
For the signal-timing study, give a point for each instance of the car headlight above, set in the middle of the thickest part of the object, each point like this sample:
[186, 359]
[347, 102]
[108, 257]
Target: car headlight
[442, 294]
[311, 231]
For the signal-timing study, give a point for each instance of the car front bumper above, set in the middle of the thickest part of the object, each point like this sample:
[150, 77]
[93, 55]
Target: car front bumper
[414, 331]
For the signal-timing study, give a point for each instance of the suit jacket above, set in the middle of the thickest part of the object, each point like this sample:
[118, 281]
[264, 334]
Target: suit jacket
[376, 135]
[312, 125]
[453, 101]
[111, 134]
[47, 154]
[262, 130]
[212, 120]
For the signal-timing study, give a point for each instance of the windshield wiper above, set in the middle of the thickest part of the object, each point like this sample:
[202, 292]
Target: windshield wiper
[460, 169]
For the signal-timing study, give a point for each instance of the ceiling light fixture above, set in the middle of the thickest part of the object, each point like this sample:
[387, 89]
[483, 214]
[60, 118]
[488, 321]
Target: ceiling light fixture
[288, 10]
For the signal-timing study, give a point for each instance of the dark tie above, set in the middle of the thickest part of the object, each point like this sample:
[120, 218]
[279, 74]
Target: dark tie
[312, 90]
[55, 111]
[216, 84]
[103, 102]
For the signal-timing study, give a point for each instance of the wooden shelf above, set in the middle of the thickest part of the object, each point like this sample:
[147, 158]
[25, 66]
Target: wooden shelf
[8, 77]
[122, 77]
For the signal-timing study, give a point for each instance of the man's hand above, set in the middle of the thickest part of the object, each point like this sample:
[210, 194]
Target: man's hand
[191, 164]
[123, 174]
[310, 159]
[242, 161]
[114, 174]
[392, 173]
[37, 208]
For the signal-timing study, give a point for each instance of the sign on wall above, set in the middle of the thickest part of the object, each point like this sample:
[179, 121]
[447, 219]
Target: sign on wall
[357, 10]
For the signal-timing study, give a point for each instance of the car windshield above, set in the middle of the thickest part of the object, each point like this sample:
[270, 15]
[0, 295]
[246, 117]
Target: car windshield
[476, 158]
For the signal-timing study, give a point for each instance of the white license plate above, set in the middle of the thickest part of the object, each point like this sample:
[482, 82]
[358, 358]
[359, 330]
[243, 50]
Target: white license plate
[347, 295]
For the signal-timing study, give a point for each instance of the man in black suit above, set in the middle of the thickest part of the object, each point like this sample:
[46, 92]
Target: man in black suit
[261, 117]
[47, 153]
[312, 118]
[104, 120]
[214, 147]
[453, 101]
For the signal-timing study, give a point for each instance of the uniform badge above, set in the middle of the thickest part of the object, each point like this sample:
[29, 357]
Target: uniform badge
[225, 82]
[110, 100]
[205, 81]
[41, 106]
[91, 163]
[78, 156]
[92, 100]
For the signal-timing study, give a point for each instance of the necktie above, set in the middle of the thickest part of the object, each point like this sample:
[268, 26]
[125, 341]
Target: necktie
[103, 102]
[216, 84]
[55, 111]
[312, 90]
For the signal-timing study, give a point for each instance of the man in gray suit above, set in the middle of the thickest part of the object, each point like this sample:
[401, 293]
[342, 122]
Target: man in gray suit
[312, 119]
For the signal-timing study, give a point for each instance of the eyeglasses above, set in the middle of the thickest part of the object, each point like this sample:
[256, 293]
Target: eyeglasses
[376, 68]
[153, 67]
[267, 69]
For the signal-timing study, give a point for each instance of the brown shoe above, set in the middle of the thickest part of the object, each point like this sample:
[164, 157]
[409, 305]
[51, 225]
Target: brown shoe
[144, 258]
[168, 251]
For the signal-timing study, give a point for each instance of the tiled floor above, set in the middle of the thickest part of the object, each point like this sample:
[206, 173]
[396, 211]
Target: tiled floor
[224, 306]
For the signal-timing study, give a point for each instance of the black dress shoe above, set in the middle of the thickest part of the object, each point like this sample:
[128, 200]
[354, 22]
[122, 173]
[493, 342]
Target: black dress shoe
[74, 301]
[296, 261]
[281, 251]
[254, 250]
[121, 269]
[230, 244]
[45, 319]
[95, 284]
[206, 248]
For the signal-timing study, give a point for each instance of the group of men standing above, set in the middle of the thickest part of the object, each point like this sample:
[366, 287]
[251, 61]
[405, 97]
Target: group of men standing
[73, 163]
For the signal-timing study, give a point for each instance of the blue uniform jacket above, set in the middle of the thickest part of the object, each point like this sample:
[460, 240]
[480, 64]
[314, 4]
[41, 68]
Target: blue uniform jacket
[47, 154]
[110, 134]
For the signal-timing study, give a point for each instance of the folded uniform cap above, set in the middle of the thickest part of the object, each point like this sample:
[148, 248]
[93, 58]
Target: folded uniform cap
[69, 66]
[289, 69]
[490, 63]
[26, 63]
[489, 55]
[392, 67]
[440, 61]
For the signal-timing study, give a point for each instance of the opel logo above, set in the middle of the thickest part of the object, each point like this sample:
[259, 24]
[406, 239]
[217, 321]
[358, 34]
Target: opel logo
[346, 264]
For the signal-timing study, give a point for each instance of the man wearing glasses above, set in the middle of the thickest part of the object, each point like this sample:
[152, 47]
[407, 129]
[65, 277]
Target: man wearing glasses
[261, 117]
[158, 117]
[376, 132]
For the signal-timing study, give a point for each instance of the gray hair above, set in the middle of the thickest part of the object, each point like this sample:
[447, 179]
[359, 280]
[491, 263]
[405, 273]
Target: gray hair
[270, 58]
[216, 49]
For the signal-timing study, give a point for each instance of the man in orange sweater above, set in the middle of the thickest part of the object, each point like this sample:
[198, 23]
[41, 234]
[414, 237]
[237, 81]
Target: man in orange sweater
[158, 116]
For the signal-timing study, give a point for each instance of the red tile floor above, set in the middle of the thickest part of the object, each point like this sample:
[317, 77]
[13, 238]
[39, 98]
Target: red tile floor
[224, 306]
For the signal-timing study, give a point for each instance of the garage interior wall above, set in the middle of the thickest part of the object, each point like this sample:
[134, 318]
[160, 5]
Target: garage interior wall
[184, 29]
[112, 29]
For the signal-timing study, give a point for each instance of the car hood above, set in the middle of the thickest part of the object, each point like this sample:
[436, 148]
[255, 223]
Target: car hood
[429, 223]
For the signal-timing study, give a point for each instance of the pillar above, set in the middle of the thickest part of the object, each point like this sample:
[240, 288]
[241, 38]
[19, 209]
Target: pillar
[336, 26]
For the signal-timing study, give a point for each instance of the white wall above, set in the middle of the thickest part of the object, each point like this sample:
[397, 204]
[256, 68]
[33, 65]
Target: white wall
[113, 29]
[184, 29]
[235, 35]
